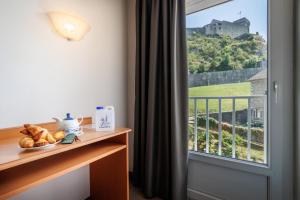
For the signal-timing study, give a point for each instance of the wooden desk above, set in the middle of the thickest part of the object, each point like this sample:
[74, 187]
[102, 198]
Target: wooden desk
[105, 152]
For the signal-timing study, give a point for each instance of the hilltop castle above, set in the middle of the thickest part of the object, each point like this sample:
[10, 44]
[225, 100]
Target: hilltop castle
[215, 27]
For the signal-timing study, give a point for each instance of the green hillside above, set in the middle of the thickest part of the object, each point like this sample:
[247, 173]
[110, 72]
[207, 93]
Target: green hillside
[221, 53]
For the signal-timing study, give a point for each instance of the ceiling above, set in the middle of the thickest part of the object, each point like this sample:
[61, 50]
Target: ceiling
[197, 5]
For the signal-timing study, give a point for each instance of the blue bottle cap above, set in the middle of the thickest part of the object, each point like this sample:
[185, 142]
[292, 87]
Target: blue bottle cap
[99, 107]
[68, 117]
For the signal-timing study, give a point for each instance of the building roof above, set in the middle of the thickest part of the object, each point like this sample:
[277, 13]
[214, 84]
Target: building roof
[242, 20]
[260, 75]
[239, 21]
[214, 21]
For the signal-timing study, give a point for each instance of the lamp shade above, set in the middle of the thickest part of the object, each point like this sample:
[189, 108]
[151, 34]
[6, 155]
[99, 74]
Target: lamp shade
[68, 26]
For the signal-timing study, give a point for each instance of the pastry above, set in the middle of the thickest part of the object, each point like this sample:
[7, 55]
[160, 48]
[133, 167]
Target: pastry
[42, 135]
[41, 142]
[34, 130]
[50, 138]
[59, 135]
[27, 125]
[25, 132]
[37, 136]
[26, 142]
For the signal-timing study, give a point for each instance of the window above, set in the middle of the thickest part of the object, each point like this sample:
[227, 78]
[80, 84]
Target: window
[228, 80]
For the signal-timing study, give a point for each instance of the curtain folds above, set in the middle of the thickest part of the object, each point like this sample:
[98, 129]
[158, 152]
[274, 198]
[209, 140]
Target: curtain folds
[161, 119]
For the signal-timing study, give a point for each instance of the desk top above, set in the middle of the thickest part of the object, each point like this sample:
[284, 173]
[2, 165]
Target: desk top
[11, 155]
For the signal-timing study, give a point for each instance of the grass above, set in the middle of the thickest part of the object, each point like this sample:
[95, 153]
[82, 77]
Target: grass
[233, 89]
[257, 155]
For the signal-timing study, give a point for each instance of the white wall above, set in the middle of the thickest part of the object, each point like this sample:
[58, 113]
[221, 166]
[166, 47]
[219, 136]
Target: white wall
[43, 75]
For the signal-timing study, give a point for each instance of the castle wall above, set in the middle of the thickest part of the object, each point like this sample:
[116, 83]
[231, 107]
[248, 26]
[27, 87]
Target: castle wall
[222, 77]
[225, 28]
[233, 30]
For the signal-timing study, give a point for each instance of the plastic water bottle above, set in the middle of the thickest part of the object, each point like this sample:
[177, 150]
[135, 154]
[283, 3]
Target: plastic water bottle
[105, 118]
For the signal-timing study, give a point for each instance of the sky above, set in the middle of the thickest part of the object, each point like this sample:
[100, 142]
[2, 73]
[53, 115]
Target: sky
[254, 10]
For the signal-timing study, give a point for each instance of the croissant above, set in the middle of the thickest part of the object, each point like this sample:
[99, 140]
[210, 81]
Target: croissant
[27, 125]
[25, 132]
[26, 142]
[59, 135]
[41, 142]
[34, 130]
[41, 135]
[37, 136]
[50, 138]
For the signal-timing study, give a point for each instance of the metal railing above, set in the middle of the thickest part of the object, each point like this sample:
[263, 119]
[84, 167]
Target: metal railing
[233, 120]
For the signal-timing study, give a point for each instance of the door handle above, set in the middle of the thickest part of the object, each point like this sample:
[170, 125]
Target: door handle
[275, 88]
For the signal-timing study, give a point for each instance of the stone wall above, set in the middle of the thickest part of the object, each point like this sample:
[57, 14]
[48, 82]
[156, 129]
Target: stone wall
[191, 31]
[226, 28]
[258, 87]
[215, 78]
[240, 117]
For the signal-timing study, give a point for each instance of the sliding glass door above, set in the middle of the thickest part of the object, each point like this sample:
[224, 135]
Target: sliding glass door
[233, 89]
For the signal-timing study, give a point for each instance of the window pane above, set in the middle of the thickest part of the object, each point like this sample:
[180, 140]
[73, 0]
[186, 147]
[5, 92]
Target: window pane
[227, 60]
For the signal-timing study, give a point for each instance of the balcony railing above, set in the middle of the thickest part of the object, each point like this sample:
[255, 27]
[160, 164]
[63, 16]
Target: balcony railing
[206, 100]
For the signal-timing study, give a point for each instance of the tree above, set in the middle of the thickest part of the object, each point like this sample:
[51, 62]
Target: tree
[221, 53]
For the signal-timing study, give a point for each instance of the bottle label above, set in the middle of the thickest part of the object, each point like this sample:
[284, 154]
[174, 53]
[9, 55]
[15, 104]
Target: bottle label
[105, 120]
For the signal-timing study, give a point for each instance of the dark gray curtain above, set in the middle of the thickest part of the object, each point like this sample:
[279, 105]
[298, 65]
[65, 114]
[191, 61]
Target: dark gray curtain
[160, 160]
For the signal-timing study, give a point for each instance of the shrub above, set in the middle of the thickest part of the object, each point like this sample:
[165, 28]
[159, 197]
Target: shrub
[214, 141]
[256, 133]
[221, 53]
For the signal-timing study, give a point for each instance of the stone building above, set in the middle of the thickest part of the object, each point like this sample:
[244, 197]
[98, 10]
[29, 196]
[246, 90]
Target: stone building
[232, 29]
[258, 87]
[215, 27]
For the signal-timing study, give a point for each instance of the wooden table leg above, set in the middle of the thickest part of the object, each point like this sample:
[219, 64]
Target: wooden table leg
[109, 177]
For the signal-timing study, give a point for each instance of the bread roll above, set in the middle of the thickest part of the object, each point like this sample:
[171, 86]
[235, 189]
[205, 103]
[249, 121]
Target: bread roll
[26, 142]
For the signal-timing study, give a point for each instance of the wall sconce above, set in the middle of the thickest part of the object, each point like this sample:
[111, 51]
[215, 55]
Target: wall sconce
[68, 26]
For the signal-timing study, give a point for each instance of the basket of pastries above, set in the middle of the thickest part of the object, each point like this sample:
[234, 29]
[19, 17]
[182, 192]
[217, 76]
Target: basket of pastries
[36, 137]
